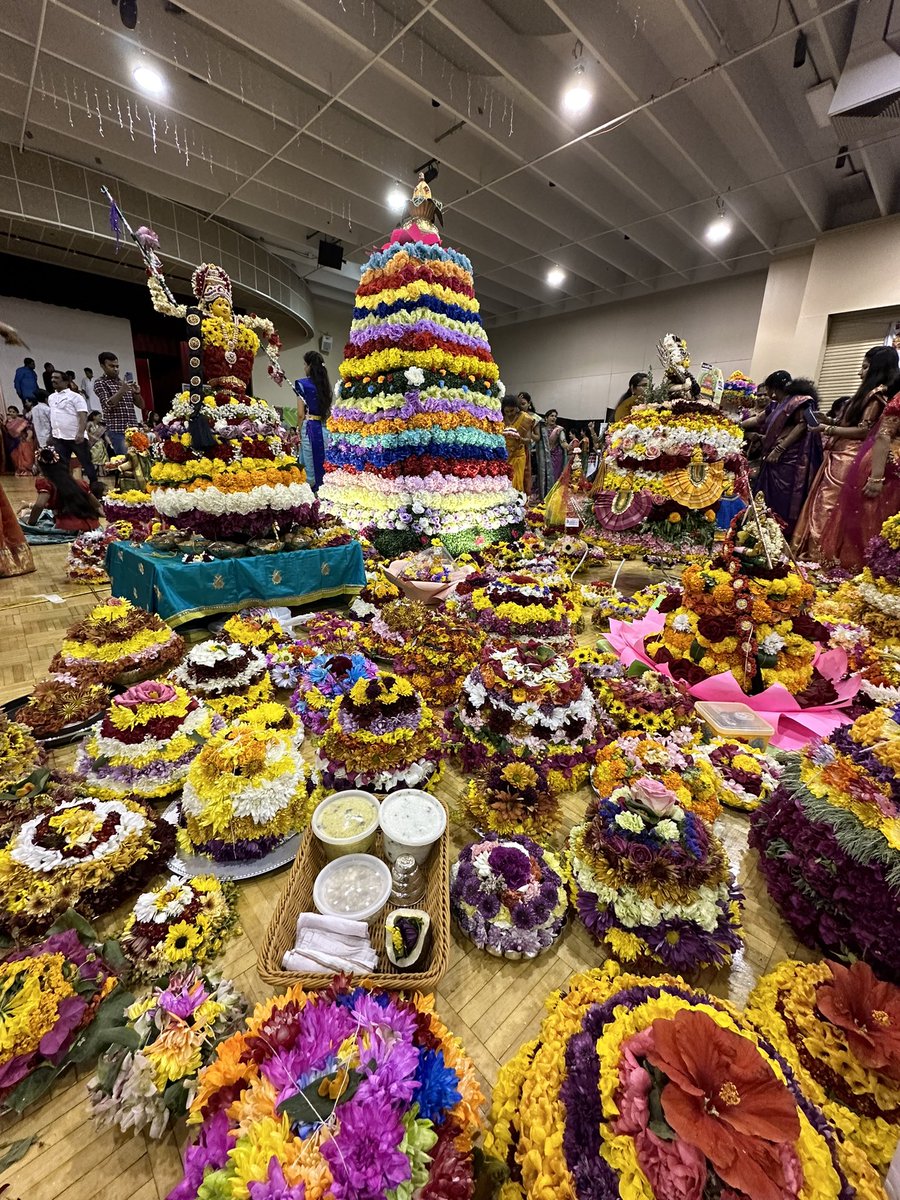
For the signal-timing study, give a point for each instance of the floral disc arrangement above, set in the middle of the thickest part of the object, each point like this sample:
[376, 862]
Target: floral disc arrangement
[512, 797]
[19, 752]
[653, 1090]
[116, 639]
[416, 447]
[326, 677]
[50, 993]
[148, 1078]
[652, 883]
[646, 702]
[840, 1031]
[228, 677]
[380, 736]
[747, 774]
[829, 842]
[145, 744]
[433, 648]
[130, 504]
[745, 612]
[185, 921]
[527, 701]
[517, 606]
[56, 704]
[677, 761]
[508, 896]
[245, 793]
[379, 590]
[40, 790]
[85, 853]
[343, 1095]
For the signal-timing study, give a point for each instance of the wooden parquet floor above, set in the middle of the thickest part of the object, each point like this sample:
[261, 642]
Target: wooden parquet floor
[493, 1005]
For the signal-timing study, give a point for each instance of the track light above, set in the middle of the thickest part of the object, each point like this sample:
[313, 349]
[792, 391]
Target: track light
[556, 276]
[396, 199]
[149, 80]
[577, 95]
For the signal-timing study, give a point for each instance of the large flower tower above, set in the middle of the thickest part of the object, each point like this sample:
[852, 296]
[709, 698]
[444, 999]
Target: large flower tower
[416, 446]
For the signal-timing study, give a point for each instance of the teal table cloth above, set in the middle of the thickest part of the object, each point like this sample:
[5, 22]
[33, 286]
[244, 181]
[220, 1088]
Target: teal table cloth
[160, 582]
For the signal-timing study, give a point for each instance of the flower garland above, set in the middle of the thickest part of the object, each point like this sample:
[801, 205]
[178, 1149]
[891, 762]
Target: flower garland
[150, 1079]
[20, 754]
[747, 774]
[676, 761]
[184, 921]
[145, 743]
[380, 1101]
[50, 993]
[56, 703]
[621, 1094]
[511, 798]
[837, 1029]
[114, 639]
[229, 677]
[84, 853]
[326, 677]
[651, 882]
[508, 896]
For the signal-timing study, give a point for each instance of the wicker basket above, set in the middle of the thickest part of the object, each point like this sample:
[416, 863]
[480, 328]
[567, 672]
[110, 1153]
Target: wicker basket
[297, 898]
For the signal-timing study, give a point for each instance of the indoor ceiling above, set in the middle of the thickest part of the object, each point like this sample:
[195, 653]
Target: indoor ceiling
[292, 120]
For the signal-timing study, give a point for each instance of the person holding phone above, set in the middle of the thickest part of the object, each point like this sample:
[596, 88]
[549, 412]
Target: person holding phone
[118, 400]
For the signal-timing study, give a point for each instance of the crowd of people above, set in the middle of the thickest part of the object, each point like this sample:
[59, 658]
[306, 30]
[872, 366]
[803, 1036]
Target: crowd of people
[538, 446]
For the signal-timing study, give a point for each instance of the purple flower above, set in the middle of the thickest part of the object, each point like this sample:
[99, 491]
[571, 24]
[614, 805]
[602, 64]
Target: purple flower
[364, 1156]
[514, 866]
[276, 1186]
[183, 1002]
[210, 1150]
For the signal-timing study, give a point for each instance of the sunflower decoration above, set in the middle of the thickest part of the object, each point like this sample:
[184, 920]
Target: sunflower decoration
[512, 798]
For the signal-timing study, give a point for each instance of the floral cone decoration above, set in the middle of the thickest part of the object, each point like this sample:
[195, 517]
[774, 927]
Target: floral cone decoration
[184, 921]
[86, 559]
[380, 736]
[145, 744]
[840, 1031]
[245, 793]
[19, 752]
[829, 843]
[50, 992]
[116, 638]
[747, 775]
[652, 883]
[508, 896]
[326, 677]
[746, 611]
[527, 701]
[522, 605]
[149, 1080]
[512, 798]
[434, 648]
[85, 853]
[653, 1090]
[220, 467]
[228, 677]
[677, 761]
[344, 1095]
[417, 448]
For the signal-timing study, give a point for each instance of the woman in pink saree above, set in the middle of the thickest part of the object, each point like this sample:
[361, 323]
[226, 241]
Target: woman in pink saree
[791, 446]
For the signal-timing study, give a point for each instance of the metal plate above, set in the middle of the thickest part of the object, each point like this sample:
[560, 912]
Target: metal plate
[186, 865]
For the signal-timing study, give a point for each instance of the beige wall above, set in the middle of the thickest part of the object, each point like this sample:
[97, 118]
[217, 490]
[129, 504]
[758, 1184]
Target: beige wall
[330, 318]
[580, 362]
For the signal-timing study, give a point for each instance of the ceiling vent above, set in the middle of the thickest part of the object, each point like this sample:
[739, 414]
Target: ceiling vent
[867, 97]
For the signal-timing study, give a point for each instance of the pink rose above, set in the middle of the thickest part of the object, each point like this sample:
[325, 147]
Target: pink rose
[150, 692]
[654, 796]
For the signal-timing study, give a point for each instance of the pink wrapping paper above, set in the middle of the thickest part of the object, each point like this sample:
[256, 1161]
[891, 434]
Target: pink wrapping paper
[795, 727]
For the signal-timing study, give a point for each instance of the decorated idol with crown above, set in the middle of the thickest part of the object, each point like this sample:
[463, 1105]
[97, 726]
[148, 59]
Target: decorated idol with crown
[221, 469]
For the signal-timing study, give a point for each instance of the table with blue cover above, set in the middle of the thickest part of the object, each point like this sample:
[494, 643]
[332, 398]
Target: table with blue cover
[160, 582]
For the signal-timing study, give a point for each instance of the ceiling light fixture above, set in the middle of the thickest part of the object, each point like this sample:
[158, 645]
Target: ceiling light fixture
[556, 276]
[396, 199]
[149, 80]
[577, 96]
[720, 227]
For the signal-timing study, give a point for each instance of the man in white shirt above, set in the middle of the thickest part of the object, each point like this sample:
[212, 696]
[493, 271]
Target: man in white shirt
[40, 419]
[87, 389]
[68, 422]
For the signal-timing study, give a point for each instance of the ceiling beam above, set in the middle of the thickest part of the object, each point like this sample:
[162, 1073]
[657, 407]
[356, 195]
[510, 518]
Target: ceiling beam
[34, 62]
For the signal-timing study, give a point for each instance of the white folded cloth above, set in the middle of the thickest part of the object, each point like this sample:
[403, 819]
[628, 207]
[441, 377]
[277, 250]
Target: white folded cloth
[330, 944]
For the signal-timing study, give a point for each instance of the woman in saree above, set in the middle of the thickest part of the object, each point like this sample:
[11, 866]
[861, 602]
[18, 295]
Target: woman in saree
[19, 438]
[558, 445]
[871, 491]
[516, 430]
[843, 430]
[791, 446]
[15, 553]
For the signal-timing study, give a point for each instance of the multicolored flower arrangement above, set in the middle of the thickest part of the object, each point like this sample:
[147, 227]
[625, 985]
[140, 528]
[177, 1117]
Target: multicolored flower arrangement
[647, 702]
[116, 639]
[508, 896]
[184, 921]
[57, 703]
[747, 774]
[227, 676]
[829, 842]
[839, 1030]
[326, 677]
[148, 1078]
[432, 647]
[50, 993]
[254, 627]
[653, 1090]
[344, 1094]
[131, 504]
[652, 883]
[84, 853]
[40, 790]
[145, 743]
[512, 797]
[518, 606]
[379, 590]
[86, 559]
[676, 761]
[527, 701]
[380, 736]
[20, 754]
[246, 791]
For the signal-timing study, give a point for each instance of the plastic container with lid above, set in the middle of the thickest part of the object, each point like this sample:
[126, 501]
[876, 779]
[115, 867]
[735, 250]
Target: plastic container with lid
[412, 822]
[346, 823]
[355, 886]
[736, 721]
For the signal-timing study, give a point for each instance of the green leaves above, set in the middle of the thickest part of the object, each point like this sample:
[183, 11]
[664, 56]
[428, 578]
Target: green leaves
[16, 1150]
[309, 1107]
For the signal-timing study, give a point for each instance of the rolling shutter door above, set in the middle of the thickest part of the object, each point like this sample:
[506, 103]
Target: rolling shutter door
[850, 335]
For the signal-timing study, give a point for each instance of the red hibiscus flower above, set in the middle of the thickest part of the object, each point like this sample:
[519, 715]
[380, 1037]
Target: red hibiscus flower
[725, 1099]
[868, 1012]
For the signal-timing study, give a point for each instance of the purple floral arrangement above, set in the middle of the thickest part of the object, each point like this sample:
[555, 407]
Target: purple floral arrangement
[507, 894]
[326, 677]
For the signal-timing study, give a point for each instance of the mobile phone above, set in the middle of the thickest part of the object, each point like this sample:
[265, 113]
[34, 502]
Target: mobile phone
[129, 377]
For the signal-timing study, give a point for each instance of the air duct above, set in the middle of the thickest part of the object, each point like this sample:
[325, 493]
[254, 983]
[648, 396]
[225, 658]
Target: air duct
[867, 98]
